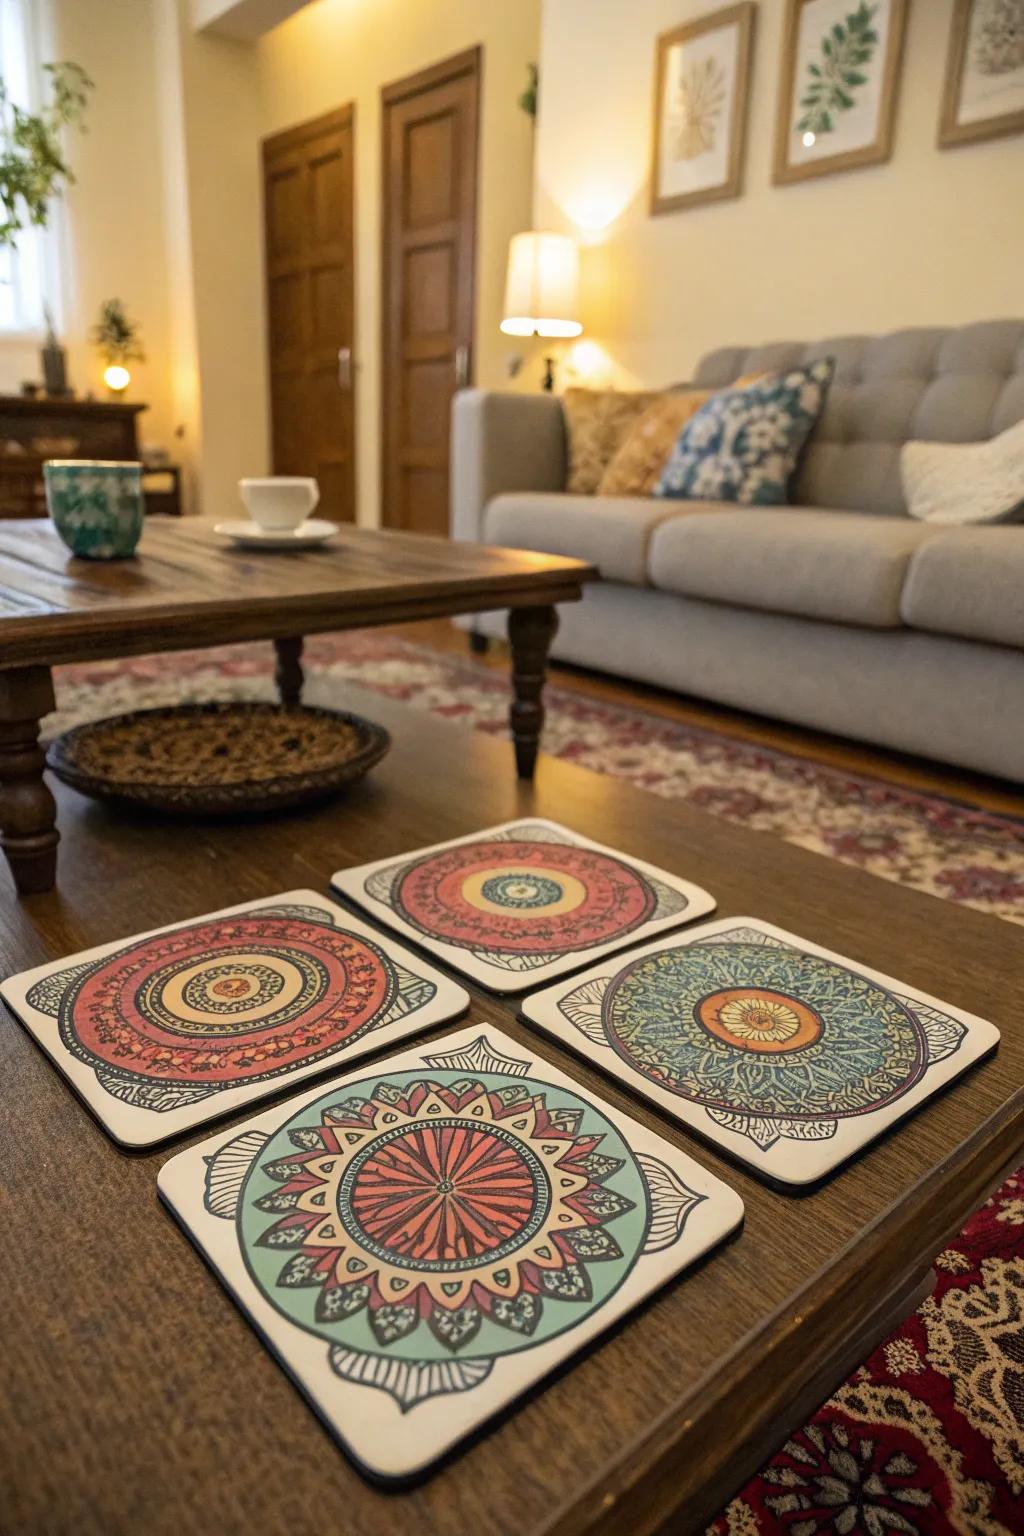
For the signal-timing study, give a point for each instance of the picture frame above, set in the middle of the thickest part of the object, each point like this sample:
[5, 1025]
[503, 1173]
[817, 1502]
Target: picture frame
[701, 95]
[983, 95]
[836, 110]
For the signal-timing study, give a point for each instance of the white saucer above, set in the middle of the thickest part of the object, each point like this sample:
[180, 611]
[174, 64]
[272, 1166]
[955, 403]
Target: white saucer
[251, 536]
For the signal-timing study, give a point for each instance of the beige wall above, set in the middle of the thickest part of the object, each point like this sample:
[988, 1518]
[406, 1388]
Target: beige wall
[344, 50]
[221, 158]
[933, 237]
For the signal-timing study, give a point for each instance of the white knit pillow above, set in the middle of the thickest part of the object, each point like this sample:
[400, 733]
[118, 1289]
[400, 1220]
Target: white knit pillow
[966, 482]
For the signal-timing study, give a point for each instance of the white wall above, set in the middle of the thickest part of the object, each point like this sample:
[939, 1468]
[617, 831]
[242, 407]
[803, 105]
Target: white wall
[933, 237]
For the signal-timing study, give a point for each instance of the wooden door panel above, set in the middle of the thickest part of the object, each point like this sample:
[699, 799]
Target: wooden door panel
[287, 299]
[288, 417]
[431, 187]
[428, 392]
[308, 182]
[330, 316]
[329, 199]
[284, 192]
[429, 237]
[424, 494]
[428, 281]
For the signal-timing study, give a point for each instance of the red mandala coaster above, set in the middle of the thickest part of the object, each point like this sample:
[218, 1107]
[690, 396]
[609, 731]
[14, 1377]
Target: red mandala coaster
[523, 897]
[227, 1002]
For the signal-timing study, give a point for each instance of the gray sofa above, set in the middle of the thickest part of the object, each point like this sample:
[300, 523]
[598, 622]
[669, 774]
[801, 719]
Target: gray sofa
[839, 612]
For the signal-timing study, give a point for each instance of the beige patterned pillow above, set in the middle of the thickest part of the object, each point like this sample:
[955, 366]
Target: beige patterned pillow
[636, 468]
[596, 421]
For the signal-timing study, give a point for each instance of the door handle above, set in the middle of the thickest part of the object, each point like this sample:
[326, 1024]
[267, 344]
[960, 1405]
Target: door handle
[344, 367]
[461, 367]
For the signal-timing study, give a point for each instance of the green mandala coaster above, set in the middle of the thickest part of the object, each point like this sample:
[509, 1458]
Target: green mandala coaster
[421, 1243]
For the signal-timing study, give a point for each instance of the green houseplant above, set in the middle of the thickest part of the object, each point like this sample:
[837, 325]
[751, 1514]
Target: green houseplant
[33, 166]
[116, 336]
[119, 344]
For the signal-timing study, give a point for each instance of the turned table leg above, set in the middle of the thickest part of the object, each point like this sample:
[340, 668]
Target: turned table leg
[530, 633]
[27, 809]
[288, 672]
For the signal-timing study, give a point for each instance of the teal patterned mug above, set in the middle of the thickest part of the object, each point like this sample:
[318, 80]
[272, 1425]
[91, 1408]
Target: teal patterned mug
[96, 506]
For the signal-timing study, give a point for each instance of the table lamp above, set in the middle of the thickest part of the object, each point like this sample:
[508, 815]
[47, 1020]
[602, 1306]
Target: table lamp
[542, 289]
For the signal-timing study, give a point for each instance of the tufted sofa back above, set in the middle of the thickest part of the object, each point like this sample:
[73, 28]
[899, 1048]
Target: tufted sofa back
[947, 386]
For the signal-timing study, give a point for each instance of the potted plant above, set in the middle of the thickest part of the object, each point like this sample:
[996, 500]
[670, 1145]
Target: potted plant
[119, 344]
[33, 167]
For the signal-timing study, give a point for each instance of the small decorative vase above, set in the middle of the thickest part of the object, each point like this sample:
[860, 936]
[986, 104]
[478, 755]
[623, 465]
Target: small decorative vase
[96, 507]
[55, 369]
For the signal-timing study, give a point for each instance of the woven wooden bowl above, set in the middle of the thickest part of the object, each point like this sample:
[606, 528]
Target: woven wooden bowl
[241, 759]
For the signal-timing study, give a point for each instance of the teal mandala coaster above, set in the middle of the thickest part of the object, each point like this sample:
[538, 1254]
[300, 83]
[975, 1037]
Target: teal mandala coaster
[786, 1055]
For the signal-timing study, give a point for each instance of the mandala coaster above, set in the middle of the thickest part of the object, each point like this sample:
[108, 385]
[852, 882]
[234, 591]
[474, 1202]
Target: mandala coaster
[786, 1055]
[175, 1027]
[519, 904]
[420, 1244]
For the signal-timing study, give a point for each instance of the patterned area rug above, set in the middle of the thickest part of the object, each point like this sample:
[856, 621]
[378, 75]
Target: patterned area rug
[934, 845]
[928, 1436]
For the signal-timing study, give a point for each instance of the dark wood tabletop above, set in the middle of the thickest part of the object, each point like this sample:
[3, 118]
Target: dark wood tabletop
[135, 1398]
[188, 586]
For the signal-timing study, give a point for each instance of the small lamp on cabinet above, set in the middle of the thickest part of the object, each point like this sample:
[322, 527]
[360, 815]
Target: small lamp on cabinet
[542, 289]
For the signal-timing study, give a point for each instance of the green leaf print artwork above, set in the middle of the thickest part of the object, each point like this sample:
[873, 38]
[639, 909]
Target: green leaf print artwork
[833, 83]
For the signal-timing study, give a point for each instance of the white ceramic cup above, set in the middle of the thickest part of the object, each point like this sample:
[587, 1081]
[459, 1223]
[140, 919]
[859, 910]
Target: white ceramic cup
[280, 501]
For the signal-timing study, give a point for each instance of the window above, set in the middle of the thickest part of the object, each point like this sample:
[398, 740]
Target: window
[28, 271]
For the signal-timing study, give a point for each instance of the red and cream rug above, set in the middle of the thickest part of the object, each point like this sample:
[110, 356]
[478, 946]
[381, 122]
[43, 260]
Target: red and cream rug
[924, 841]
[927, 1437]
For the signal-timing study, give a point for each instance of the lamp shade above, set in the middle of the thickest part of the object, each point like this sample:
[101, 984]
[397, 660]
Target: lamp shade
[542, 288]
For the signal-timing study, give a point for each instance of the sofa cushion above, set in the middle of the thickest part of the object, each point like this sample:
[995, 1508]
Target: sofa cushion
[951, 386]
[743, 444]
[964, 483]
[596, 423]
[612, 532]
[969, 582]
[846, 567]
[636, 467]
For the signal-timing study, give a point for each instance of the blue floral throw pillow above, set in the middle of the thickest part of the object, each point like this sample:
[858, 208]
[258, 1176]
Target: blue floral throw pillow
[744, 443]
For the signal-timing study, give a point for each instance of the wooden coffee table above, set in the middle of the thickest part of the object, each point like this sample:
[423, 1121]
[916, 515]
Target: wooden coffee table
[188, 588]
[134, 1396]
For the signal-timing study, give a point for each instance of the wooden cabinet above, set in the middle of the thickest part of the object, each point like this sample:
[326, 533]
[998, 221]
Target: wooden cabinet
[100, 429]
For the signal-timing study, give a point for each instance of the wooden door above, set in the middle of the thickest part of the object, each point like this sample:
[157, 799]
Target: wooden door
[429, 234]
[308, 204]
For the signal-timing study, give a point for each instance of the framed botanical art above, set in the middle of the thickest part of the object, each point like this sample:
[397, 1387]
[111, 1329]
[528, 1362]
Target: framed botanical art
[701, 85]
[837, 90]
[984, 94]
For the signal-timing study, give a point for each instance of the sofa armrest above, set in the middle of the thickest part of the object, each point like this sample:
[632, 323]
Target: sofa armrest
[502, 442]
